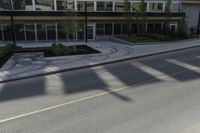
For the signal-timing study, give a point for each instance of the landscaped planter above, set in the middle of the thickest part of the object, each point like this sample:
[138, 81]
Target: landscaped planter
[48, 52]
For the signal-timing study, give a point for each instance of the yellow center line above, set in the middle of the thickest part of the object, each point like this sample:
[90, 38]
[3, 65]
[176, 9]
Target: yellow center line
[80, 100]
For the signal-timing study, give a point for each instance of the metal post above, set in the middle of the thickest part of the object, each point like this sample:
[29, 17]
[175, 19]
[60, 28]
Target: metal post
[198, 27]
[86, 37]
[12, 23]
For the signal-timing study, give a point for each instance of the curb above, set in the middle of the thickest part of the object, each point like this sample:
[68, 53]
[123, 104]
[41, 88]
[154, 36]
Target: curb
[94, 65]
[152, 43]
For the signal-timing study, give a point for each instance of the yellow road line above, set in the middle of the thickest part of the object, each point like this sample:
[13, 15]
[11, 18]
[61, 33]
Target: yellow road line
[80, 100]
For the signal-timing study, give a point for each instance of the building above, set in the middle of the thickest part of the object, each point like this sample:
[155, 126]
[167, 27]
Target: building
[46, 20]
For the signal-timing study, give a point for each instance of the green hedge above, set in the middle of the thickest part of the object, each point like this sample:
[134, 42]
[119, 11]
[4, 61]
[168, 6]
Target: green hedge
[59, 49]
[6, 49]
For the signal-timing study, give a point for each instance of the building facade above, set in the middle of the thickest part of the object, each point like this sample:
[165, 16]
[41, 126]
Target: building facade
[47, 20]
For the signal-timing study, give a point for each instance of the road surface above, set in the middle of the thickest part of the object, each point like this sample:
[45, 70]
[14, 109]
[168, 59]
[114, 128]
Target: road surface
[158, 94]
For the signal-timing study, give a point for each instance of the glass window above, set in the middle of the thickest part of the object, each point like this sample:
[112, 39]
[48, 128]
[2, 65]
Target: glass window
[81, 6]
[61, 31]
[125, 29]
[134, 28]
[51, 32]
[135, 6]
[119, 6]
[100, 29]
[4, 5]
[150, 28]
[108, 29]
[80, 31]
[175, 7]
[1, 35]
[7, 32]
[44, 5]
[22, 5]
[155, 7]
[104, 6]
[65, 5]
[117, 29]
[41, 32]
[19, 31]
[30, 31]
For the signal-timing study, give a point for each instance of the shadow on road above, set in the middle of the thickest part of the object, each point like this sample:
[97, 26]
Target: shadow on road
[116, 76]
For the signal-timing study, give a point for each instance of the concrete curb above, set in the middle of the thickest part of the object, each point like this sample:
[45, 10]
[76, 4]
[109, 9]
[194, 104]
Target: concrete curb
[152, 43]
[94, 65]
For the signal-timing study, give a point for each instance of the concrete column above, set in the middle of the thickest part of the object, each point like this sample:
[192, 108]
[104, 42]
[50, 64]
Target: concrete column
[55, 5]
[33, 4]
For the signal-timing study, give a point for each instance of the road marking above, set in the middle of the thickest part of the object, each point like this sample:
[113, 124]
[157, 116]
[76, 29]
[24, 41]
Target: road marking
[107, 77]
[185, 65]
[78, 100]
[54, 84]
[60, 105]
[153, 72]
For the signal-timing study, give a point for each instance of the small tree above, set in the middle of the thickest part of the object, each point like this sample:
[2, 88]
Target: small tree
[141, 18]
[71, 26]
[127, 15]
[168, 16]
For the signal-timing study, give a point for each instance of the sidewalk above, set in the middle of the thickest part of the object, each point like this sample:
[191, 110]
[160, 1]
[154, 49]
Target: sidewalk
[24, 65]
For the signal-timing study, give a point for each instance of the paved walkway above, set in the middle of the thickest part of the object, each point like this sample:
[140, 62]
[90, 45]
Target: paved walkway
[23, 65]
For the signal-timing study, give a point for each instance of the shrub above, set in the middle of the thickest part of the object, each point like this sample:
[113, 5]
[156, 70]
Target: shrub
[6, 49]
[60, 49]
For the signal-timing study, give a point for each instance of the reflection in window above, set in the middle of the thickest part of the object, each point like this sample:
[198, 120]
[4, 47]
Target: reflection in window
[104, 6]
[4, 5]
[22, 5]
[81, 6]
[65, 5]
[175, 7]
[155, 7]
[119, 6]
[135, 6]
[44, 5]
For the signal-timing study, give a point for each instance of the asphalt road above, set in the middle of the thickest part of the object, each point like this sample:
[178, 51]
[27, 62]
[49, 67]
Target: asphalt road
[158, 94]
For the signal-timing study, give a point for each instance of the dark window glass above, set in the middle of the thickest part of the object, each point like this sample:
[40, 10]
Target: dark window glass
[125, 29]
[1, 35]
[30, 31]
[150, 28]
[134, 28]
[80, 31]
[100, 29]
[117, 29]
[158, 28]
[22, 5]
[61, 32]
[19, 31]
[7, 32]
[108, 29]
[41, 32]
[51, 32]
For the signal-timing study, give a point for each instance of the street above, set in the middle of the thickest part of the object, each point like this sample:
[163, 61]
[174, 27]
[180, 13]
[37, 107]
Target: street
[157, 94]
